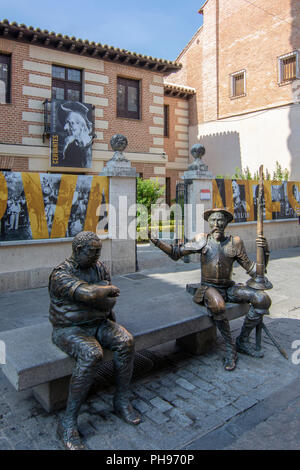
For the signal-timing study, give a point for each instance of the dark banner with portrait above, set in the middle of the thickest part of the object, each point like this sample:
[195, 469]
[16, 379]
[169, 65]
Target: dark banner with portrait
[72, 131]
[281, 199]
[41, 205]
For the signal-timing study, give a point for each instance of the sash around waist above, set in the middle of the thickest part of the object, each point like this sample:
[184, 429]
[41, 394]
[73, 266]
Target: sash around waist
[217, 282]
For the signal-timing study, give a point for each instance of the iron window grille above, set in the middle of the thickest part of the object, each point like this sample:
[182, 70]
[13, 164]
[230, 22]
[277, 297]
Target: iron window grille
[238, 84]
[288, 66]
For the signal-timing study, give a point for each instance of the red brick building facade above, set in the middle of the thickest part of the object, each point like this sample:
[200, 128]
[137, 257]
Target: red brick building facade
[30, 60]
[243, 63]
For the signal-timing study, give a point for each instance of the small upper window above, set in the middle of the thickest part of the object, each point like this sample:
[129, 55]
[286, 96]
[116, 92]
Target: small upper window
[66, 83]
[238, 84]
[4, 78]
[128, 98]
[288, 67]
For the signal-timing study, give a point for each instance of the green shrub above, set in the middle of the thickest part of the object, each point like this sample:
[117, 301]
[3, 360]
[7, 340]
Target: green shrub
[148, 192]
[244, 174]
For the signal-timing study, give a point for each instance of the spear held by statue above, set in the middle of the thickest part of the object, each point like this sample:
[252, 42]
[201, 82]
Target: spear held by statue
[260, 281]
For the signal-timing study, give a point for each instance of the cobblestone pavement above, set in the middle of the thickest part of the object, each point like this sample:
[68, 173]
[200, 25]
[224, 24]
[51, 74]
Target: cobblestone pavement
[183, 401]
[187, 402]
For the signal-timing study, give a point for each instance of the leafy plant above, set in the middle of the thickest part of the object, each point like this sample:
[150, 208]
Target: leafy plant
[268, 175]
[245, 174]
[148, 193]
[280, 174]
[277, 174]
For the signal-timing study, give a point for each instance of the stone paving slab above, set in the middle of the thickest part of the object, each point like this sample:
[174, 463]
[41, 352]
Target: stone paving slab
[272, 424]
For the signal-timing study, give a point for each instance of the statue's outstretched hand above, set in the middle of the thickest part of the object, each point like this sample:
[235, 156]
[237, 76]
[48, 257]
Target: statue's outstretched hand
[106, 291]
[114, 292]
[106, 297]
[153, 236]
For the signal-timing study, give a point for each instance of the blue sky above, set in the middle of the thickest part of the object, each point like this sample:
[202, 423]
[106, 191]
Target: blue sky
[160, 28]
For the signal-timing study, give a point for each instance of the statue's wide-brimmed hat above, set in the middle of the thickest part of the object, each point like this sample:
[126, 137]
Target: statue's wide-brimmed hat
[66, 107]
[228, 214]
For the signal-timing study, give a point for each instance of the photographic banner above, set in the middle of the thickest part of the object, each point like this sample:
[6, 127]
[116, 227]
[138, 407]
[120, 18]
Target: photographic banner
[40, 205]
[281, 199]
[72, 131]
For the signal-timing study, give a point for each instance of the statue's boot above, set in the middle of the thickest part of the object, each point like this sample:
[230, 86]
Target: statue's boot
[123, 368]
[243, 344]
[230, 356]
[69, 436]
[124, 409]
[80, 384]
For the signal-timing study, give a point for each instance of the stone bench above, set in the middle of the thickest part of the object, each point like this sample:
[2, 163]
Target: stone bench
[32, 361]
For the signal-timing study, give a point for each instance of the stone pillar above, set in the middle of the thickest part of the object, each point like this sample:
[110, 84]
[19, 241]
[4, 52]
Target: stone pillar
[122, 195]
[198, 181]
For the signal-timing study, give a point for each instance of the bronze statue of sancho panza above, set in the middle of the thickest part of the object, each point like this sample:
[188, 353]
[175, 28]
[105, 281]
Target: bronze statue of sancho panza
[218, 253]
[81, 301]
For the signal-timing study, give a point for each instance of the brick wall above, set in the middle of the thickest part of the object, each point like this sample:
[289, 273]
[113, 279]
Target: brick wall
[21, 132]
[22, 120]
[236, 36]
[13, 163]
[146, 134]
[12, 127]
[190, 75]
[177, 143]
[252, 39]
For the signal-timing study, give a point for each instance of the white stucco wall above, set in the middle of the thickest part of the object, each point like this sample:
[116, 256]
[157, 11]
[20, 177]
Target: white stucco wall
[252, 139]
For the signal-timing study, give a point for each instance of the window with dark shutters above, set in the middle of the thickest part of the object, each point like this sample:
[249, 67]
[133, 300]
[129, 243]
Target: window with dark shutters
[128, 98]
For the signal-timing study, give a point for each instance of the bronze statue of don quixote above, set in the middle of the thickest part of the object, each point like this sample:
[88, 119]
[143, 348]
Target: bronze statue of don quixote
[218, 253]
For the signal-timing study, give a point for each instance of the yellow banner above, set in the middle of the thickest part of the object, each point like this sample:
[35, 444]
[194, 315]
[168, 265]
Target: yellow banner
[63, 205]
[43, 205]
[3, 195]
[281, 199]
[35, 205]
[99, 187]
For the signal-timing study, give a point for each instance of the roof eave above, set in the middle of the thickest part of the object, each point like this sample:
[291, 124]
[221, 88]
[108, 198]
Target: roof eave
[73, 45]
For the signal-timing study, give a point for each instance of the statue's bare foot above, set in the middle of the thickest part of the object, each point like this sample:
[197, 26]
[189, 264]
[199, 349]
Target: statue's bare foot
[69, 436]
[245, 347]
[125, 410]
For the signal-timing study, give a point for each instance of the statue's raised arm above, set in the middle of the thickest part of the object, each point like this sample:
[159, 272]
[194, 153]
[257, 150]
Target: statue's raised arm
[176, 252]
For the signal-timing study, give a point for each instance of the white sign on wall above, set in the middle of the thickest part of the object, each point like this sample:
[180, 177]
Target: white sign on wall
[205, 195]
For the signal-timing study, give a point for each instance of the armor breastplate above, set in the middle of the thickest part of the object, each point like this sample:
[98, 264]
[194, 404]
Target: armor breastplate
[216, 262]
